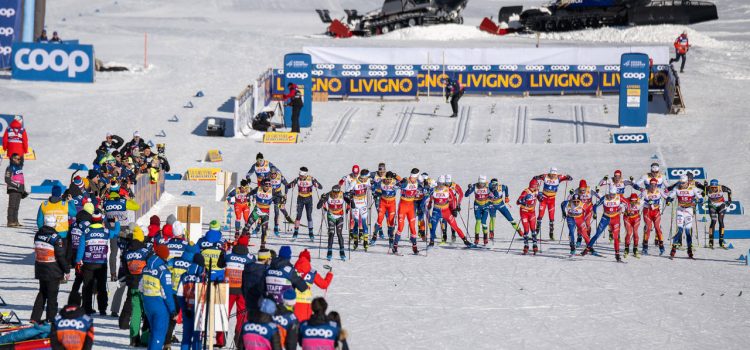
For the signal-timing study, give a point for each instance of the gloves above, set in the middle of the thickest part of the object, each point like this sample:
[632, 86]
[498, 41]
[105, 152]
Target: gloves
[669, 201]
[113, 277]
[78, 267]
[507, 200]
[571, 191]
[594, 216]
[631, 179]
[605, 178]
[570, 178]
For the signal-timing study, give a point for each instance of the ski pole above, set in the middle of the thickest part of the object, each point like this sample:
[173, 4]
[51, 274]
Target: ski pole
[320, 232]
[511, 242]
[330, 269]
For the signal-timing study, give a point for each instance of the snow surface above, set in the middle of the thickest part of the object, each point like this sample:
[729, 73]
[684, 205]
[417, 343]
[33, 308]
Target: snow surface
[451, 298]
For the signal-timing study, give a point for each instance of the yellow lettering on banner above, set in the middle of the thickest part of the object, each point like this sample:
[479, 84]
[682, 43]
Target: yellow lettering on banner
[202, 174]
[280, 137]
[326, 85]
[433, 80]
[381, 85]
[610, 79]
[279, 84]
[561, 80]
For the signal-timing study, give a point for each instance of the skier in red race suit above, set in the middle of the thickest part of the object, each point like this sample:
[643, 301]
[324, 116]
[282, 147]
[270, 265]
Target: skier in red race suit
[527, 207]
[550, 182]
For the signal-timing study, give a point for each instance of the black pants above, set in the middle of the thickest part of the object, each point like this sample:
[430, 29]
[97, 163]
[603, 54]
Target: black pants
[677, 58]
[95, 273]
[14, 202]
[454, 102]
[295, 118]
[47, 295]
[717, 215]
[74, 298]
[306, 204]
[335, 227]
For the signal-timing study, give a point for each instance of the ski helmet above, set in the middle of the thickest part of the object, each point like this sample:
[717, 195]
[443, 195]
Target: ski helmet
[553, 171]
[441, 179]
[618, 172]
[533, 184]
[482, 179]
[683, 179]
[355, 169]
[714, 182]
[583, 184]
[612, 189]
[654, 167]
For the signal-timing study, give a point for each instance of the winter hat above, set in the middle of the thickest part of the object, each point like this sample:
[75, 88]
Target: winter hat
[154, 220]
[138, 234]
[92, 174]
[305, 254]
[267, 306]
[259, 156]
[162, 251]
[56, 191]
[264, 254]
[303, 264]
[243, 241]
[618, 172]
[285, 252]
[355, 169]
[167, 232]
[290, 297]
[582, 184]
[303, 171]
[136, 134]
[96, 216]
[115, 187]
[78, 181]
[178, 229]
[171, 219]
[89, 208]
[214, 225]
[50, 221]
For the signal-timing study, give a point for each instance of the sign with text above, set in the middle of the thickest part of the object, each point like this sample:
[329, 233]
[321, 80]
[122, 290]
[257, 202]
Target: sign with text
[634, 76]
[298, 70]
[53, 62]
[630, 138]
[675, 173]
[10, 29]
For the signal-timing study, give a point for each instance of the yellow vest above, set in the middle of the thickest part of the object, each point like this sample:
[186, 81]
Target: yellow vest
[59, 211]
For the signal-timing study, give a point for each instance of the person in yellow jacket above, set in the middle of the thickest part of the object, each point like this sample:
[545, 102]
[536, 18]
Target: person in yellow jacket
[302, 309]
[62, 210]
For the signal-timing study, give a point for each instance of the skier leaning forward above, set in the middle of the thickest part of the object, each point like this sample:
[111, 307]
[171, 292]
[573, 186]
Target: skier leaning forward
[333, 204]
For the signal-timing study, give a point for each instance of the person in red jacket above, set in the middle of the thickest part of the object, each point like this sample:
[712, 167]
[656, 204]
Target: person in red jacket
[15, 139]
[302, 309]
[681, 47]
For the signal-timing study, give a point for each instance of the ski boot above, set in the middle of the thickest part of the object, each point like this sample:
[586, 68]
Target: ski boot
[342, 256]
[485, 239]
[443, 241]
[525, 249]
[578, 241]
[711, 244]
[617, 257]
[535, 248]
[672, 252]
[551, 231]
[329, 256]
[635, 253]
[295, 234]
[468, 244]
[585, 251]
[355, 244]
[661, 248]
[432, 243]
[690, 253]
[394, 249]
[492, 236]
[572, 250]
[311, 234]
[422, 235]
[722, 245]
[627, 252]
[593, 252]
[365, 243]
[414, 249]
[276, 231]
[645, 249]
[453, 238]
[476, 238]
[373, 239]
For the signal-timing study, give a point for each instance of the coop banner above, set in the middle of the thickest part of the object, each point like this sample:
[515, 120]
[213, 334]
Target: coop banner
[10, 29]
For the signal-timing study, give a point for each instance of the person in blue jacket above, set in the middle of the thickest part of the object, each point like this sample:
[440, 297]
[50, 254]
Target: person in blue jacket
[186, 289]
[158, 296]
[91, 260]
[212, 249]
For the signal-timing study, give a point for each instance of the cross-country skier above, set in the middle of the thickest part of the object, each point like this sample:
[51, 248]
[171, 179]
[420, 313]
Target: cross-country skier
[375, 179]
[261, 168]
[482, 194]
[410, 189]
[440, 203]
[550, 182]
[527, 207]
[263, 197]
[498, 203]
[616, 181]
[459, 197]
[652, 197]
[421, 204]
[691, 183]
[588, 196]
[240, 198]
[386, 192]
[279, 185]
[655, 173]
[359, 191]
[717, 206]
[613, 207]
[632, 220]
[687, 197]
[345, 183]
[305, 184]
[334, 204]
[574, 212]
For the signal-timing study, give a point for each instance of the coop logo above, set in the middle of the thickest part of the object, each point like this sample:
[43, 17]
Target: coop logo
[351, 66]
[317, 72]
[631, 138]
[612, 68]
[377, 73]
[316, 332]
[403, 67]
[675, 173]
[6, 31]
[510, 67]
[58, 60]
[296, 64]
[429, 67]
[255, 328]
[534, 68]
[404, 73]
[732, 208]
[586, 68]
[630, 75]
[324, 66]
[559, 68]
[350, 73]
[481, 68]
[296, 75]
[455, 68]
[634, 64]
[68, 323]
[5, 50]
[7, 12]
[377, 67]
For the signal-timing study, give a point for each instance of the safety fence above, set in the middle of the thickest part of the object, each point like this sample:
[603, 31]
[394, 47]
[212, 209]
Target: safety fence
[146, 193]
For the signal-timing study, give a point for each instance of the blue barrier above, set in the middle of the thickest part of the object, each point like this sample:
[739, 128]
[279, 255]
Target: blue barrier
[53, 62]
[172, 177]
[78, 166]
[188, 193]
[10, 29]
[737, 234]
[46, 186]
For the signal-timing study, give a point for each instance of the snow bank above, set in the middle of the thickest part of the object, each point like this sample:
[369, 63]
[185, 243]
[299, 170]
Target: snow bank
[640, 34]
[444, 32]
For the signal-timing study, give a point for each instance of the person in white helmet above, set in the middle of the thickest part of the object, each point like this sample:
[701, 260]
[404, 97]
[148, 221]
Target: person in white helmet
[613, 209]
[458, 195]
[550, 183]
[687, 197]
[482, 204]
[654, 173]
[440, 209]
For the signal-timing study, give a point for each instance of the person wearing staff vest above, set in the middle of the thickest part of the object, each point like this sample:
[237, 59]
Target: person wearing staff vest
[158, 296]
[58, 208]
[50, 265]
[16, 188]
[319, 332]
[136, 257]
[123, 210]
[91, 260]
[309, 275]
[186, 289]
[281, 276]
[72, 329]
[15, 140]
[681, 47]
[237, 262]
